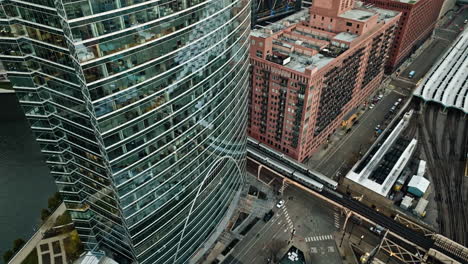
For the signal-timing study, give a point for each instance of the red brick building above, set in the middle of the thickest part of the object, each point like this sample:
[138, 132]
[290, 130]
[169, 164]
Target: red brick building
[417, 21]
[311, 69]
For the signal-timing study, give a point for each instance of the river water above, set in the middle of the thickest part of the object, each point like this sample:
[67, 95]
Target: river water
[25, 182]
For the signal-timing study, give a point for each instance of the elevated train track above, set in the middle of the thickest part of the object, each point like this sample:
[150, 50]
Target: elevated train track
[414, 241]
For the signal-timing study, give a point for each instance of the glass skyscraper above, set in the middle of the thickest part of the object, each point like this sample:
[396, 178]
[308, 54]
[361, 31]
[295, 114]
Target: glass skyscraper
[140, 108]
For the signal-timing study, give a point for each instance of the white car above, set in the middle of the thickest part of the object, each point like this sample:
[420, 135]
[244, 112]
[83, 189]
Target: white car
[377, 230]
[396, 103]
[380, 96]
[399, 100]
[371, 106]
[280, 204]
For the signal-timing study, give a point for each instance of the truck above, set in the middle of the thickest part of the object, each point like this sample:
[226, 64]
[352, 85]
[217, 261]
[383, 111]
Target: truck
[411, 74]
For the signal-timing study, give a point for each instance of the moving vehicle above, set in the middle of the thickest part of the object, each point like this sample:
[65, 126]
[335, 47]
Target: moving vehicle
[411, 74]
[377, 230]
[280, 204]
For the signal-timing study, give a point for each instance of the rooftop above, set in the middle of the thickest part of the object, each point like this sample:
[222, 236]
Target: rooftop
[267, 31]
[407, 1]
[357, 14]
[385, 161]
[384, 14]
[345, 36]
[447, 81]
[312, 48]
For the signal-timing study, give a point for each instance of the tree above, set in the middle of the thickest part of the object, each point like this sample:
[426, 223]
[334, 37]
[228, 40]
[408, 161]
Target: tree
[73, 246]
[18, 244]
[8, 255]
[63, 219]
[54, 201]
[44, 214]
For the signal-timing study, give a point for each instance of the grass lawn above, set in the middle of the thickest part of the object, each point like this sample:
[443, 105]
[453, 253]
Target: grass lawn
[31, 258]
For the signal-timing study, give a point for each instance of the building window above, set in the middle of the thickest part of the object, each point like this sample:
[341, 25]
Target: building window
[349, 24]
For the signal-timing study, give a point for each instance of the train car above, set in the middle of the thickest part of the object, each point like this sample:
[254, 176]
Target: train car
[257, 155]
[307, 181]
[278, 166]
[323, 179]
[252, 141]
[270, 151]
[299, 166]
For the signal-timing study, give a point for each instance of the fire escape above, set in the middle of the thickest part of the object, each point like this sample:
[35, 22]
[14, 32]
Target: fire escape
[264, 101]
[379, 49]
[338, 90]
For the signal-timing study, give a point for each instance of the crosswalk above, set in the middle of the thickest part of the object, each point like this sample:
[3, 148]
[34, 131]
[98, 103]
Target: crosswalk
[285, 185]
[319, 238]
[337, 218]
[290, 224]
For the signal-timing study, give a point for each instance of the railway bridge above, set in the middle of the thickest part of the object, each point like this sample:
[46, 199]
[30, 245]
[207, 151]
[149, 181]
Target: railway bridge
[404, 240]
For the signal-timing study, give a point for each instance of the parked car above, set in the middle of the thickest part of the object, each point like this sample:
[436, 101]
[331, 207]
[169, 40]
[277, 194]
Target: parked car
[396, 103]
[400, 99]
[371, 106]
[392, 109]
[268, 216]
[377, 127]
[280, 204]
[380, 96]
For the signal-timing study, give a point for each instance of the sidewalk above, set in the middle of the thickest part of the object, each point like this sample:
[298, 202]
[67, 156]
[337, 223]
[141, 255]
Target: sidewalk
[21, 255]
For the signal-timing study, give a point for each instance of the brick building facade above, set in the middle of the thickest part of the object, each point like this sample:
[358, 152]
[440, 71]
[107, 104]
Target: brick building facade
[311, 69]
[416, 24]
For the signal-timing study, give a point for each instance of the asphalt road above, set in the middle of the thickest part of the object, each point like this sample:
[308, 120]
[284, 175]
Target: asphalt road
[359, 139]
[423, 63]
[314, 223]
[442, 38]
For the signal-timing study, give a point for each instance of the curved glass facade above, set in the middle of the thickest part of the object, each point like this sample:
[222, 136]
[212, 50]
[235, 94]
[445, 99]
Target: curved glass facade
[140, 108]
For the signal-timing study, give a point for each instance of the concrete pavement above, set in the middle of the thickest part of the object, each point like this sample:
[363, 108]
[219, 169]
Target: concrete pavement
[37, 237]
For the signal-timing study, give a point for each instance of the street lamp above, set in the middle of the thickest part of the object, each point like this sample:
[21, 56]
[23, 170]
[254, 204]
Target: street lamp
[361, 240]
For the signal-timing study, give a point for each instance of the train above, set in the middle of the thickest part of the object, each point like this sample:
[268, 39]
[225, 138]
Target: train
[290, 167]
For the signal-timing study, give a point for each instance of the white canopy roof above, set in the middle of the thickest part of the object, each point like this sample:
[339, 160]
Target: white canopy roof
[447, 81]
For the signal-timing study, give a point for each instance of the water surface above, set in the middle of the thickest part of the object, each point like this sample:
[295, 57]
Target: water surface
[25, 182]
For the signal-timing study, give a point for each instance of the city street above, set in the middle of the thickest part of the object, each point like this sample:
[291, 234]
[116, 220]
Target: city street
[314, 222]
[344, 151]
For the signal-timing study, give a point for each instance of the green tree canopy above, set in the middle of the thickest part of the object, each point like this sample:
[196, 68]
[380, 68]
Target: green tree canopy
[54, 201]
[44, 214]
[18, 244]
[8, 255]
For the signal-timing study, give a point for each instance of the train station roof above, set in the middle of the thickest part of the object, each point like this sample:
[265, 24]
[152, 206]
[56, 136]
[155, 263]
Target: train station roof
[447, 81]
[380, 168]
